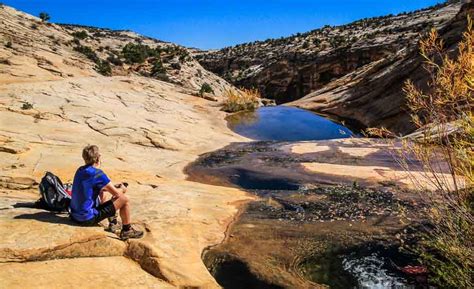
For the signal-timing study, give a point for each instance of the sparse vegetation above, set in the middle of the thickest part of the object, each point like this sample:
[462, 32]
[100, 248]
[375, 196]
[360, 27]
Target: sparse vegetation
[444, 112]
[88, 52]
[80, 34]
[138, 53]
[304, 47]
[157, 69]
[176, 65]
[34, 26]
[245, 99]
[8, 44]
[103, 67]
[205, 88]
[44, 16]
[114, 60]
[27, 105]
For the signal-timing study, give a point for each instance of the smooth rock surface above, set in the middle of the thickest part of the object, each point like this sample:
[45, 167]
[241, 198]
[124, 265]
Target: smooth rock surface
[146, 138]
[110, 272]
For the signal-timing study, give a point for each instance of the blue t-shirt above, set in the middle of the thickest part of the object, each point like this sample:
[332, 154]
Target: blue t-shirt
[88, 181]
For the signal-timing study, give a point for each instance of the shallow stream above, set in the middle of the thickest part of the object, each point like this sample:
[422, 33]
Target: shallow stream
[294, 214]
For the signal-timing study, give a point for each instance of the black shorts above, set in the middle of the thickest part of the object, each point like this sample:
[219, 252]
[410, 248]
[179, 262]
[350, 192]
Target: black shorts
[105, 210]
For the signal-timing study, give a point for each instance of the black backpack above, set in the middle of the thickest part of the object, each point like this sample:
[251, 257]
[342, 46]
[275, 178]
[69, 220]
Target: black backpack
[53, 194]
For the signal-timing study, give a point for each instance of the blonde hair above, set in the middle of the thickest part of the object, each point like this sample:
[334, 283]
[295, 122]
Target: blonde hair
[90, 154]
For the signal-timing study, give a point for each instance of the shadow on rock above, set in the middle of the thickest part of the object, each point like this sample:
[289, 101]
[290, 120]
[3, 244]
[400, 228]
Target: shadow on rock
[44, 216]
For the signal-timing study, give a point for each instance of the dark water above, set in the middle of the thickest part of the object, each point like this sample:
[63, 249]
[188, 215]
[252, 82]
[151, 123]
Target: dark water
[361, 267]
[367, 267]
[232, 273]
[282, 123]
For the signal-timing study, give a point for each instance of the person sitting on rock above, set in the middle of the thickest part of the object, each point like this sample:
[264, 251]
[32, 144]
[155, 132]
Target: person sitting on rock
[88, 205]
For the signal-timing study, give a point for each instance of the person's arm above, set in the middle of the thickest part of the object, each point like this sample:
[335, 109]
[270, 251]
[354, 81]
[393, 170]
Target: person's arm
[113, 190]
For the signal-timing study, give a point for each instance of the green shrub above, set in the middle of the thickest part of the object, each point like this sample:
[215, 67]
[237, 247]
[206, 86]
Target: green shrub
[44, 16]
[27, 105]
[114, 60]
[34, 26]
[205, 88]
[88, 52]
[176, 65]
[98, 34]
[158, 69]
[76, 42]
[138, 53]
[103, 67]
[80, 34]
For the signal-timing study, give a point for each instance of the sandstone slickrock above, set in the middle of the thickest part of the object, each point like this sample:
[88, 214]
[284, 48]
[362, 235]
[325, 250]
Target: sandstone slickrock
[147, 129]
[105, 272]
[53, 51]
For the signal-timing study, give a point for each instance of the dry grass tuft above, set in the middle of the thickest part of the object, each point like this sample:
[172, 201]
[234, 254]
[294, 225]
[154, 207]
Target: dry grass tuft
[245, 99]
[445, 141]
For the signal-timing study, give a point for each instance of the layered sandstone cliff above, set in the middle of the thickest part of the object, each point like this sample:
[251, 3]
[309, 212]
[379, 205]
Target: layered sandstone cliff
[353, 72]
[373, 95]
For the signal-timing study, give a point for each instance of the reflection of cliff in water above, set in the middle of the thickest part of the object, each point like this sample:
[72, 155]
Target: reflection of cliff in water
[282, 123]
[242, 118]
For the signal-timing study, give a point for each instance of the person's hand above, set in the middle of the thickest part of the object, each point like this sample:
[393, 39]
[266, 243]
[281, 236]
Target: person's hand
[121, 186]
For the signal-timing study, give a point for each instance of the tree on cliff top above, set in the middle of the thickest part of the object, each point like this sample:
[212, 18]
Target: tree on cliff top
[44, 16]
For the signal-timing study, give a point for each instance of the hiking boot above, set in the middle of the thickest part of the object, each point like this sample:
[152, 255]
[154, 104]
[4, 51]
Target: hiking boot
[132, 233]
[114, 228]
[114, 225]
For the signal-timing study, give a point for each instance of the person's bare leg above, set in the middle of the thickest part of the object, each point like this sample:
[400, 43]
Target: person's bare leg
[125, 214]
[122, 204]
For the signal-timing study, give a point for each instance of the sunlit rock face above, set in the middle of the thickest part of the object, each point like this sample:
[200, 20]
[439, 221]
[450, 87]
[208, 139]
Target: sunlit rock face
[354, 72]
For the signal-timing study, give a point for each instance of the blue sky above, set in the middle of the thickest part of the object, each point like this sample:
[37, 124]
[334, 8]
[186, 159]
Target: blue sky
[209, 24]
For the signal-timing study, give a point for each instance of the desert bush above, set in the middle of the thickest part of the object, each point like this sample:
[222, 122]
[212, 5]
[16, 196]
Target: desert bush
[176, 65]
[245, 99]
[205, 88]
[9, 44]
[44, 16]
[80, 34]
[138, 53]
[443, 113]
[112, 58]
[157, 67]
[34, 26]
[75, 41]
[88, 52]
[98, 34]
[103, 67]
[27, 105]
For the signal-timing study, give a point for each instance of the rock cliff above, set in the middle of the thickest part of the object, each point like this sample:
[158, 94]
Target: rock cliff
[372, 96]
[351, 72]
